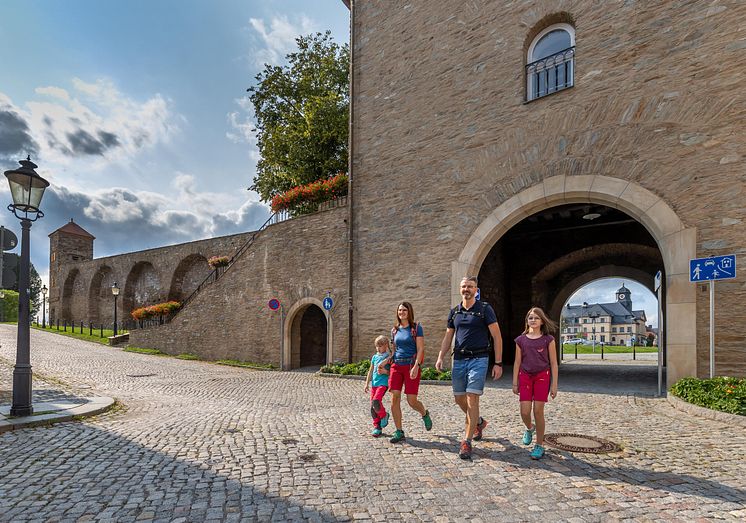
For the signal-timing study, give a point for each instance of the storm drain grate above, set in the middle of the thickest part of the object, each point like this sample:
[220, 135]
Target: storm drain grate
[140, 375]
[289, 441]
[308, 457]
[580, 443]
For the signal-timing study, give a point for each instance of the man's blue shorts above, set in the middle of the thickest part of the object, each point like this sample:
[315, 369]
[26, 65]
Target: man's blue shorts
[468, 375]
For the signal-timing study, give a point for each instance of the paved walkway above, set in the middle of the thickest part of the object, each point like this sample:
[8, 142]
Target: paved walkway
[201, 442]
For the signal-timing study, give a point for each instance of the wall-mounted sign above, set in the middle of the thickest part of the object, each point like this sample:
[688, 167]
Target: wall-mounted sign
[328, 303]
[273, 304]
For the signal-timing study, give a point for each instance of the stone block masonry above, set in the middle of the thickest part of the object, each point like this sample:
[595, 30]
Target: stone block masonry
[297, 262]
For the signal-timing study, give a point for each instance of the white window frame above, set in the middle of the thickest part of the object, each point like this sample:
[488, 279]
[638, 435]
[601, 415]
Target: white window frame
[531, 59]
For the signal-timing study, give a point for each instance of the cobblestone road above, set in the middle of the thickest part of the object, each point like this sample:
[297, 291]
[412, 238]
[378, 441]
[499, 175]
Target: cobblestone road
[201, 442]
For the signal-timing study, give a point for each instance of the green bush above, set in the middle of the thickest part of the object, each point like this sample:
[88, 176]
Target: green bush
[719, 393]
[361, 369]
[9, 304]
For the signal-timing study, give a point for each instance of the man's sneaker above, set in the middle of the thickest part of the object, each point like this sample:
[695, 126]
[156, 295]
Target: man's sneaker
[538, 452]
[385, 421]
[464, 451]
[480, 427]
[426, 419]
[528, 435]
[398, 436]
[376, 432]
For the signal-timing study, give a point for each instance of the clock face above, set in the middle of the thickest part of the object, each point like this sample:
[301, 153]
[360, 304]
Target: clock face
[621, 296]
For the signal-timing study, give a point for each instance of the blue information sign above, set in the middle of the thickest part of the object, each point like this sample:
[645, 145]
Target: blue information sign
[715, 268]
[478, 295]
[328, 303]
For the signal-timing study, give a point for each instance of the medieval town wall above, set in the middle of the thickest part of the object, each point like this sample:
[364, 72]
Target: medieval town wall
[297, 262]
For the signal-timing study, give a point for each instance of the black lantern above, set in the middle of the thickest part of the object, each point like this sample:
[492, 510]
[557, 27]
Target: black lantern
[27, 189]
[115, 293]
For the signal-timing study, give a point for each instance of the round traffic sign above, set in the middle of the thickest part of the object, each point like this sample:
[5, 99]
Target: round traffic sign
[273, 304]
[328, 303]
[10, 240]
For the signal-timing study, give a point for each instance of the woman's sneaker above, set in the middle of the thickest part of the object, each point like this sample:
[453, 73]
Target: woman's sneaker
[464, 451]
[528, 435]
[480, 427]
[385, 421]
[398, 436]
[376, 432]
[427, 420]
[538, 452]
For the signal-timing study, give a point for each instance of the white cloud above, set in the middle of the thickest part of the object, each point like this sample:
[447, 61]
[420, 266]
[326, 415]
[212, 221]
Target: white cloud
[278, 37]
[95, 121]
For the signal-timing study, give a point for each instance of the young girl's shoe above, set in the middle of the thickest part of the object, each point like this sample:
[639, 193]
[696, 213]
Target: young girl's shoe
[528, 435]
[538, 452]
[385, 421]
[375, 432]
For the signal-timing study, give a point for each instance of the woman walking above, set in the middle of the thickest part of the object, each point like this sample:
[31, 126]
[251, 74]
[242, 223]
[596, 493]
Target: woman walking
[408, 340]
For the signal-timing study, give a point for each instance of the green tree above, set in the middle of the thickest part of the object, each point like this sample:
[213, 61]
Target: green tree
[34, 291]
[302, 112]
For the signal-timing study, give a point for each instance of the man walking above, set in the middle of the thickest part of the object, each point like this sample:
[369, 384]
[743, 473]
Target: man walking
[472, 322]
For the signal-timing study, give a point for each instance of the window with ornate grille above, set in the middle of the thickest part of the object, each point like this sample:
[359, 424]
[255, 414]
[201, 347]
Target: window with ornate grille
[550, 61]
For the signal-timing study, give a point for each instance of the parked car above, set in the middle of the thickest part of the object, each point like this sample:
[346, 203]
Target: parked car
[576, 340]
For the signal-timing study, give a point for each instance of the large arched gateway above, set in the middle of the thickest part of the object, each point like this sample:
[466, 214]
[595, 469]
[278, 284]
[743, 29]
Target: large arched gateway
[627, 212]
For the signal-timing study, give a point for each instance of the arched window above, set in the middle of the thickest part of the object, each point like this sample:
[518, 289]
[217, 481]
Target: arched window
[550, 61]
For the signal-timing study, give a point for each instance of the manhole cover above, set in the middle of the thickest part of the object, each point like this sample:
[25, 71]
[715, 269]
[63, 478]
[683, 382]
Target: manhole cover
[580, 443]
[140, 375]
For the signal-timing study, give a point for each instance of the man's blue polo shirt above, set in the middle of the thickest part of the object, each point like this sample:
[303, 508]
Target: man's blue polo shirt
[471, 325]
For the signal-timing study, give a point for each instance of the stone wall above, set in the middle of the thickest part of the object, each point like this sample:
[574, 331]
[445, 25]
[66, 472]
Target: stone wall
[297, 262]
[81, 290]
[442, 138]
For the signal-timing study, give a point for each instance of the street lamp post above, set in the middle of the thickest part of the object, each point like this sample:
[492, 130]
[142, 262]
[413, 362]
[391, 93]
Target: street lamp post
[27, 189]
[44, 307]
[115, 293]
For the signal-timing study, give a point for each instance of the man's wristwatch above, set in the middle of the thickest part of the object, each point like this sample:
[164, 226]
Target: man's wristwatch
[499, 363]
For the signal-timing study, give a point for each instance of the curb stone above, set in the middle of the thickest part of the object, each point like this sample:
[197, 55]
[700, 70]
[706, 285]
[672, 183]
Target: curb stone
[702, 412]
[94, 407]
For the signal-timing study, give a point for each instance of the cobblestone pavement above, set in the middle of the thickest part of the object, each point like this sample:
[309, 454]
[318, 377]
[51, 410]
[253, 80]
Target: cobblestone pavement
[201, 442]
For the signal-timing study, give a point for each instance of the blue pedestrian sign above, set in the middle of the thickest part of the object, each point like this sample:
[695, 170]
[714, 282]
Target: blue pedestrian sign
[328, 303]
[715, 268]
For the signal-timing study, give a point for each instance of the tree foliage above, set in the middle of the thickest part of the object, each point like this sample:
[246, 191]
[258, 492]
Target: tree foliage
[302, 111]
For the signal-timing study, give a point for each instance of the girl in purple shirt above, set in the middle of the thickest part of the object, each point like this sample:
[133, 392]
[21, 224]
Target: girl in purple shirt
[535, 357]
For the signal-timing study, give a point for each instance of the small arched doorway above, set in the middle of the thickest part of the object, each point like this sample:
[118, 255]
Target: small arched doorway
[307, 336]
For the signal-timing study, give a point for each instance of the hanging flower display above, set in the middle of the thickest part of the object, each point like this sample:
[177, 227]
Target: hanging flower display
[304, 197]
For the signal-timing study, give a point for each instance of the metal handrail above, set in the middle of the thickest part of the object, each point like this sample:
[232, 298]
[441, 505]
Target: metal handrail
[277, 217]
[564, 59]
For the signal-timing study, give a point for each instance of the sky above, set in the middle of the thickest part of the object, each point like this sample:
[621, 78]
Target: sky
[137, 113]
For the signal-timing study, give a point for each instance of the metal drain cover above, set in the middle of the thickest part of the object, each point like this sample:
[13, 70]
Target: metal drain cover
[139, 375]
[580, 443]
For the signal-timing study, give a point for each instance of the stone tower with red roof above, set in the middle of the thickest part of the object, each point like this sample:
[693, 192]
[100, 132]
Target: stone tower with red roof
[69, 243]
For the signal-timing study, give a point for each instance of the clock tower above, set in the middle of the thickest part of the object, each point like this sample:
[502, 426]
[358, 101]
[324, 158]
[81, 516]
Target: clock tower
[624, 297]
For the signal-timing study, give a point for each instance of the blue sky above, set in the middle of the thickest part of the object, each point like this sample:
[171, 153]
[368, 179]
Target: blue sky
[136, 112]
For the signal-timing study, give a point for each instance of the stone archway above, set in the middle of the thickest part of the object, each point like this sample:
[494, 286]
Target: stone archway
[142, 287]
[100, 299]
[190, 272]
[676, 243]
[303, 320]
[72, 292]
